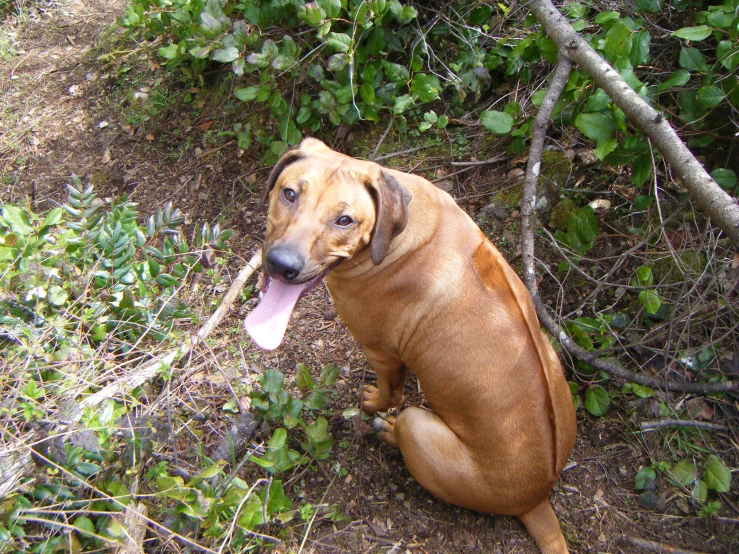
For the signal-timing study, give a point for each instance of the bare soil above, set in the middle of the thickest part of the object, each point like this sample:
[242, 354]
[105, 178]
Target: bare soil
[69, 105]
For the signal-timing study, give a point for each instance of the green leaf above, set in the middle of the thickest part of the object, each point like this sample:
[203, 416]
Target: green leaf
[339, 41]
[694, 33]
[57, 295]
[278, 439]
[700, 491]
[641, 169]
[85, 525]
[169, 52]
[278, 501]
[225, 55]
[17, 220]
[317, 400]
[641, 203]
[303, 378]
[710, 96]
[677, 79]
[332, 8]
[52, 218]
[604, 17]
[597, 400]
[395, 72]
[498, 123]
[683, 473]
[329, 375]
[406, 15]
[605, 147]
[726, 178]
[649, 6]
[442, 122]
[650, 300]
[644, 478]
[618, 42]
[716, 475]
[595, 126]
[425, 87]
[313, 14]
[691, 59]
[402, 103]
[272, 381]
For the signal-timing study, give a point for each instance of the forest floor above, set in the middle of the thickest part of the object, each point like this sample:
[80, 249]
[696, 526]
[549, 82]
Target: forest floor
[71, 91]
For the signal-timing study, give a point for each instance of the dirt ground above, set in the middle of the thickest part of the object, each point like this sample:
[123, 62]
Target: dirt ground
[69, 105]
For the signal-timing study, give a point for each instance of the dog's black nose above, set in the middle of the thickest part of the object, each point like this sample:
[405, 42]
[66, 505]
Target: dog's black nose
[284, 262]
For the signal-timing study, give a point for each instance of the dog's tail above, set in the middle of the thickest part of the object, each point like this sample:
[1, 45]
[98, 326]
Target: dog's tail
[542, 525]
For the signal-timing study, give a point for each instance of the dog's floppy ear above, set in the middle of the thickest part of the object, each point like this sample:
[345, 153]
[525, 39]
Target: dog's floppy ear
[287, 158]
[391, 213]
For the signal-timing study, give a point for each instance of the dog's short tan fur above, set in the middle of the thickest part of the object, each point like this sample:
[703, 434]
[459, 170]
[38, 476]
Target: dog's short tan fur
[420, 286]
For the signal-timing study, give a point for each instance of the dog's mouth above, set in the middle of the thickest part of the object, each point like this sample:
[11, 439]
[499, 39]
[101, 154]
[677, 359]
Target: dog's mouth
[267, 323]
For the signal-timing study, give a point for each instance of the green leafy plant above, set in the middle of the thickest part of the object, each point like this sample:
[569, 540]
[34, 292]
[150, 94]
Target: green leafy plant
[698, 480]
[582, 228]
[86, 289]
[277, 405]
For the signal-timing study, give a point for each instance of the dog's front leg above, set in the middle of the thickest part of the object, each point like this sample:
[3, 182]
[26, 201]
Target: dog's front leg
[388, 393]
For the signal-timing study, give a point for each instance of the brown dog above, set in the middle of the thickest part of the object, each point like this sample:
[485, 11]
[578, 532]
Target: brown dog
[420, 286]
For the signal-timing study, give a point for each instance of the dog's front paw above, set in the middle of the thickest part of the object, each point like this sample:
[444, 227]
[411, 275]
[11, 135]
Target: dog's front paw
[371, 400]
[384, 424]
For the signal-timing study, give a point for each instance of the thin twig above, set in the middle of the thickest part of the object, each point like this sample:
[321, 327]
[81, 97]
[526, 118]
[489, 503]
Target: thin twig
[400, 153]
[654, 546]
[533, 166]
[373, 156]
[480, 162]
[659, 423]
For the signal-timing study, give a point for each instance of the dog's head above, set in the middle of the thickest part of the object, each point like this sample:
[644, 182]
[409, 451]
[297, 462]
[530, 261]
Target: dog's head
[324, 207]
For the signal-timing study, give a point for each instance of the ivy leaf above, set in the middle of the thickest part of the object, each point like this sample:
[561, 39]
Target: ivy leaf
[210, 23]
[618, 41]
[595, 126]
[498, 123]
[406, 15]
[605, 147]
[226, 55]
[597, 400]
[643, 277]
[700, 491]
[716, 475]
[699, 33]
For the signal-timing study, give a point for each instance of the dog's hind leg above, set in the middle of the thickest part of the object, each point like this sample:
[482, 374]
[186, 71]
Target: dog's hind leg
[442, 463]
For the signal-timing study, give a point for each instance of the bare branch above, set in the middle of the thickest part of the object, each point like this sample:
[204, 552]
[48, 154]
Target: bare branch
[659, 423]
[716, 202]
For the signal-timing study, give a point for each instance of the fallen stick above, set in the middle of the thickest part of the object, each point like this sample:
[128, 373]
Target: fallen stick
[15, 455]
[654, 546]
[659, 423]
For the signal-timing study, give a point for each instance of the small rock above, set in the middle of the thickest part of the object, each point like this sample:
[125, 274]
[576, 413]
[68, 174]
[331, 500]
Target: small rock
[648, 500]
[202, 196]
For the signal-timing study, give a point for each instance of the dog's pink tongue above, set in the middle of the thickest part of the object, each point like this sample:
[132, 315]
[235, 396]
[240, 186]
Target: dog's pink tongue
[266, 324]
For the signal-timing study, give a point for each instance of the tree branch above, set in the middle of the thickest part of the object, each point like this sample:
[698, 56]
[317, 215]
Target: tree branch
[716, 202]
[659, 423]
[533, 165]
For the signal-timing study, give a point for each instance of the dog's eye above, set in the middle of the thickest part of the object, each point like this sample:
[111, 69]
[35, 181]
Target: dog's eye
[344, 221]
[289, 195]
